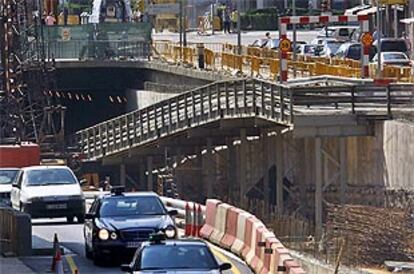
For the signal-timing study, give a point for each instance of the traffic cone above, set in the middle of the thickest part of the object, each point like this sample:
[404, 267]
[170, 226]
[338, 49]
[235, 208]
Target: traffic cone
[200, 220]
[59, 263]
[56, 247]
[195, 225]
[188, 221]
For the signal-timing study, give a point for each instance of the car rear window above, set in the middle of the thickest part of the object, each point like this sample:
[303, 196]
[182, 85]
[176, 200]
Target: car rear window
[354, 52]
[50, 176]
[131, 206]
[164, 257]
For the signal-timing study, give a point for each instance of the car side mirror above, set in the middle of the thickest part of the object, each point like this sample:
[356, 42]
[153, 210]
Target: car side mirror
[15, 185]
[173, 212]
[83, 182]
[225, 266]
[89, 216]
[126, 268]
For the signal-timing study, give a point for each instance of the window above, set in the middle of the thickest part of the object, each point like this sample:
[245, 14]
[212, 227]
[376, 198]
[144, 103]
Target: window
[394, 56]
[49, 176]
[394, 45]
[177, 257]
[8, 176]
[130, 206]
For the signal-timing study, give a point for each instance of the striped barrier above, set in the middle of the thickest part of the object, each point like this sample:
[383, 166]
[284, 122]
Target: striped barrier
[247, 237]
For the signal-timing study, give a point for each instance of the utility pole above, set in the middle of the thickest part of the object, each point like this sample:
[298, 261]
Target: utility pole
[379, 32]
[181, 29]
[239, 47]
[184, 5]
[294, 37]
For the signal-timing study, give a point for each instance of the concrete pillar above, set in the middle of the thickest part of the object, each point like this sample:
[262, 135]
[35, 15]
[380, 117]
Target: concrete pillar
[343, 169]
[243, 166]
[265, 170]
[122, 174]
[210, 168]
[150, 184]
[142, 183]
[280, 169]
[231, 170]
[318, 188]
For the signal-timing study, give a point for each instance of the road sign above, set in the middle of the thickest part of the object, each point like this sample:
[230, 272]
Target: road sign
[367, 39]
[285, 45]
[393, 2]
[155, 9]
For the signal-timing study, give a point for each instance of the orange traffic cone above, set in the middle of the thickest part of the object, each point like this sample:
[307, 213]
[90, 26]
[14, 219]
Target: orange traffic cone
[57, 265]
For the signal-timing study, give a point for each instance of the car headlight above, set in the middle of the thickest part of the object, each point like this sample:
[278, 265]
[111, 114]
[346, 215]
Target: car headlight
[170, 232]
[114, 236]
[103, 234]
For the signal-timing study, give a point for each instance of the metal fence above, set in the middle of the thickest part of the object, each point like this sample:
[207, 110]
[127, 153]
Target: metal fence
[98, 50]
[240, 99]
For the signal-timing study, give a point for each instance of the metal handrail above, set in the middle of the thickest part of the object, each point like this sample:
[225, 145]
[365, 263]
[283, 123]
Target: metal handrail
[243, 98]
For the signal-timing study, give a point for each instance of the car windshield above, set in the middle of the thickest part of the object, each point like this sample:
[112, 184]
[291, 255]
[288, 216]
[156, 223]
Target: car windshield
[333, 46]
[131, 206]
[394, 56]
[8, 176]
[162, 257]
[50, 176]
[399, 46]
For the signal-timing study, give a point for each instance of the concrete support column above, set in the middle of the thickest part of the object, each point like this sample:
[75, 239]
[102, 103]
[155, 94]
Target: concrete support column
[243, 166]
[280, 170]
[343, 169]
[318, 188]
[150, 184]
[265, 170]
[122, 174]
[142, 183]
[231, 170]
[210, 168]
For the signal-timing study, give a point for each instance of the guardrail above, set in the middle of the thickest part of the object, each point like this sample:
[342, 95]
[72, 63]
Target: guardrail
[262, 62]
[15, 232]
[245, 98]
[98, 49]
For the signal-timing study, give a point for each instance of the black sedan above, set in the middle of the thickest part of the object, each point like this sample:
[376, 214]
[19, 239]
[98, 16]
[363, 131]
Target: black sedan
[118, 223]
[174, 257]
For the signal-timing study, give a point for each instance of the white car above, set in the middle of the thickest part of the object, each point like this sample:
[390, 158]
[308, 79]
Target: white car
[343, 33]
[393, 58]
[48, 192]
[7, 177]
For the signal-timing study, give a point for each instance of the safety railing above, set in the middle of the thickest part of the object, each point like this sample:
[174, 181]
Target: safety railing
[262, 62]
[238, 99]
[98, 49]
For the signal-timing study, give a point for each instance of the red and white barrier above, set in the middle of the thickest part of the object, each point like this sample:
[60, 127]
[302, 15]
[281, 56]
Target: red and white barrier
[257, 230]
[231, 227]
[209, 226]
[220, 223]
[239, 244]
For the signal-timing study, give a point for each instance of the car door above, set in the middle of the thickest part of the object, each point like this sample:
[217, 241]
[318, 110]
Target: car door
[16, 190]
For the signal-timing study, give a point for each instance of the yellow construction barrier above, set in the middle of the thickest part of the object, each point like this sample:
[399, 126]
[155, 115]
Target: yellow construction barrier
[274, 68]
[256, 63]
[210, 59]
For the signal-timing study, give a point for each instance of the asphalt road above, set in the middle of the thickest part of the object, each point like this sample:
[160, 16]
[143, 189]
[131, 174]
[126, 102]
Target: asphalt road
[71, 239]
[247, 37]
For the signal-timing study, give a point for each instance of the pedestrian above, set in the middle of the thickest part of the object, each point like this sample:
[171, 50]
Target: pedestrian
[50, 20]
[234, 20]
[227, 21]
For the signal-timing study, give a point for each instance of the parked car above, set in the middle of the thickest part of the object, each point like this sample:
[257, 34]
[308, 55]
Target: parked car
[393, 58]
[175, 256]
[343, 33]
[118, 223]
[7, 177]
[309, 50]
[48, 192]
[352, 50]
[393, 45]
[259, 43]
[330, 47]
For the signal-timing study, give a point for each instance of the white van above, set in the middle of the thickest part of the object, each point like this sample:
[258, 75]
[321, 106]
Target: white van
[48, 192]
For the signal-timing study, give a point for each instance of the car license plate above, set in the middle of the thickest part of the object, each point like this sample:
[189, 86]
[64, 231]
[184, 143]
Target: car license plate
[57, 206]
[133, 244]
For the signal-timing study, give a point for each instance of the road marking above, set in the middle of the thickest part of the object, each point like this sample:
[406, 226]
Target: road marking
[73, 268]
[224, 259]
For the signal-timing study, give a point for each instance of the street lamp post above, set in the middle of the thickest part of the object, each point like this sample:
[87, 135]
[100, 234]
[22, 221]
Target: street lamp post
[379, 34]
[239, 47]
[294, 37]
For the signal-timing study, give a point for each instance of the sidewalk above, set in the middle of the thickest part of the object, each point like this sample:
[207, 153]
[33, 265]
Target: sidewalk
[13, 265]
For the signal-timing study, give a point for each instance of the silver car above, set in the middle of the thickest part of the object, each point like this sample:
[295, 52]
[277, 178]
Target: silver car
[188, 256]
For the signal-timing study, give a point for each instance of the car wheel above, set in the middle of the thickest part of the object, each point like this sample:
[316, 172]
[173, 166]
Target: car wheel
[81, 218]
[88, 253]
[70, 219]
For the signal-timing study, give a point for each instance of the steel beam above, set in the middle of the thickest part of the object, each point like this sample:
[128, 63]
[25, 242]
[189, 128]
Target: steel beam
[318, 189]
[243, 166]
[279, 172]
[122, 174]
[150, 183]
[210, 168]
[343, 169]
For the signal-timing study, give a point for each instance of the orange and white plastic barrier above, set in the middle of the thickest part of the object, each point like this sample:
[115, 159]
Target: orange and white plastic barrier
[211, 210]
[220, 223]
